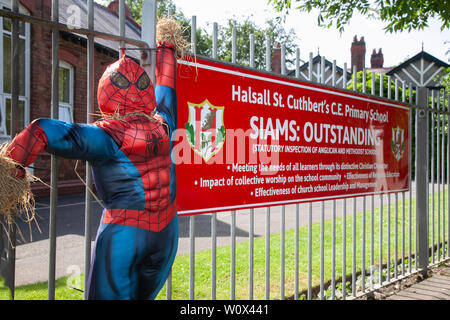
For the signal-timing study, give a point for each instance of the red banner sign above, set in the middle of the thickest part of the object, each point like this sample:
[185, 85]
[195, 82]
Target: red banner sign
[248, 139]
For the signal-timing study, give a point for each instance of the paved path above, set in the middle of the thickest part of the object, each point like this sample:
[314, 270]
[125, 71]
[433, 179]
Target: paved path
[435, 287]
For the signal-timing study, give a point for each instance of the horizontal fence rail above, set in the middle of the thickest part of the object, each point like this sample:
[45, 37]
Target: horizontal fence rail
[334, 249]
[64, 27]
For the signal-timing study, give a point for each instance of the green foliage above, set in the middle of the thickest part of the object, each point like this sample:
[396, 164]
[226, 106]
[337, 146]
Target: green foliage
[190, 133]
[386, 88]
[444, 79]
[39, 291]
[204, 41]
[272, 29]
[136, 9]
[134, 5]
[221, 135]
[4, 290]
[399, 15]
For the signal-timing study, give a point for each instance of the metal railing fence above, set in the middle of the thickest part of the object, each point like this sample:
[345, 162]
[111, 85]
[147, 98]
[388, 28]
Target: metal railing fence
[56, 27]
[408, 231]
[336, 249]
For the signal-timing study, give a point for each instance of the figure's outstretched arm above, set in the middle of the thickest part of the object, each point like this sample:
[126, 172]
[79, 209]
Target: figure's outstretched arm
[166, 97]
[165, 89]
[68, 140]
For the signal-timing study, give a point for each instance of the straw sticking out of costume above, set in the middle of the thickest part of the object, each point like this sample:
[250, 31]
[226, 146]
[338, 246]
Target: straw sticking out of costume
[16, 198]
[169, 30]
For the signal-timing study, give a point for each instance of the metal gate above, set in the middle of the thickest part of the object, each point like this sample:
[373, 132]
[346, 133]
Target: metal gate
[337, 249]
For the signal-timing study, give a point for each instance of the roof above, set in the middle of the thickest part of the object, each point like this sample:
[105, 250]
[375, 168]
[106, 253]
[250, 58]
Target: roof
[328, 66]
[383, 70]
[104, 21]
[316, 60]
[420, 55]
[328, 63]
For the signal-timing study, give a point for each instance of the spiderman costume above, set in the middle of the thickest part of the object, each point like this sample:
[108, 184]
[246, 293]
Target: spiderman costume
[129, 152]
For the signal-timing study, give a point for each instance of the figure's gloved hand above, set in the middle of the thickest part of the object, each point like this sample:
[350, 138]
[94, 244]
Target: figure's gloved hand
[166, 44]
[18, 172]
[166, 64]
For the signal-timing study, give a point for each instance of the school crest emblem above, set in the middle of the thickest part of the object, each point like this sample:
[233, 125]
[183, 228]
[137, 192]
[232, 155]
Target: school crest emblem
[398, 143]
[205, 130]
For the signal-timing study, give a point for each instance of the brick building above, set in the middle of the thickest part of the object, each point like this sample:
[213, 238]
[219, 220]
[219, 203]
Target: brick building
[420, 70]
[358, 57]
[35, 73]
[358, 54]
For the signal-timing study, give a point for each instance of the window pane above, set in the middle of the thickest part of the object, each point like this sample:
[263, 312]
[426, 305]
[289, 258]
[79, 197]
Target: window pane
[7, 65]
[64, 85]
[22, 67]
[7, 24]
[65, 114]
[21, 115]
[1, 121]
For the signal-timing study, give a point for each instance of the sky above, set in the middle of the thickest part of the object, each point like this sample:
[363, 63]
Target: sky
[396, 47]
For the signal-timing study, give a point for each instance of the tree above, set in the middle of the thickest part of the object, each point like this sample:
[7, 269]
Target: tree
[273, 30]
[244, 28]
[399, 15]
[444, 79]
[134, 5]
[136, 9]
[204, 42]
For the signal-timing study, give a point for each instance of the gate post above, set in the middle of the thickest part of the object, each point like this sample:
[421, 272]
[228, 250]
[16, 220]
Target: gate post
[148, 34]
[422, 179]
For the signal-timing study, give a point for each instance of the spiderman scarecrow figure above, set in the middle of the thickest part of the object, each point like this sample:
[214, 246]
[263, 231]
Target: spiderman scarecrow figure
[129, 152]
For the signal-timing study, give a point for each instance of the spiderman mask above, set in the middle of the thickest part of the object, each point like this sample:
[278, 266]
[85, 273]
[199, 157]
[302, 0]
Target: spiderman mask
[125, 88]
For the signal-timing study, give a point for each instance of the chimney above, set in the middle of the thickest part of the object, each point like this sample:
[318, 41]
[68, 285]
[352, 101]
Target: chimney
[276, 59]
[114, 7]
[358, 53]
[376, 60]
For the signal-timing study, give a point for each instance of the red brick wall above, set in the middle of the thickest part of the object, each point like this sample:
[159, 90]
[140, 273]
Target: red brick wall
[276, 59]
[358, 54]
[376, 59]
[72, 51]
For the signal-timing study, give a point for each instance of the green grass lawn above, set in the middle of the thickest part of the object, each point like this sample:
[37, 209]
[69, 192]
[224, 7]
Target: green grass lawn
[38, 291]
[180, 274]
[203, 260]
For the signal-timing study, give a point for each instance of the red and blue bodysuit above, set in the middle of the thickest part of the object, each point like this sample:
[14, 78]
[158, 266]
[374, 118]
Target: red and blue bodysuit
[129, 152]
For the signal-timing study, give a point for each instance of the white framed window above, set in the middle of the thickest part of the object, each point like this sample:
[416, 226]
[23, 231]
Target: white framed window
[5, 73]
[66, 78]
